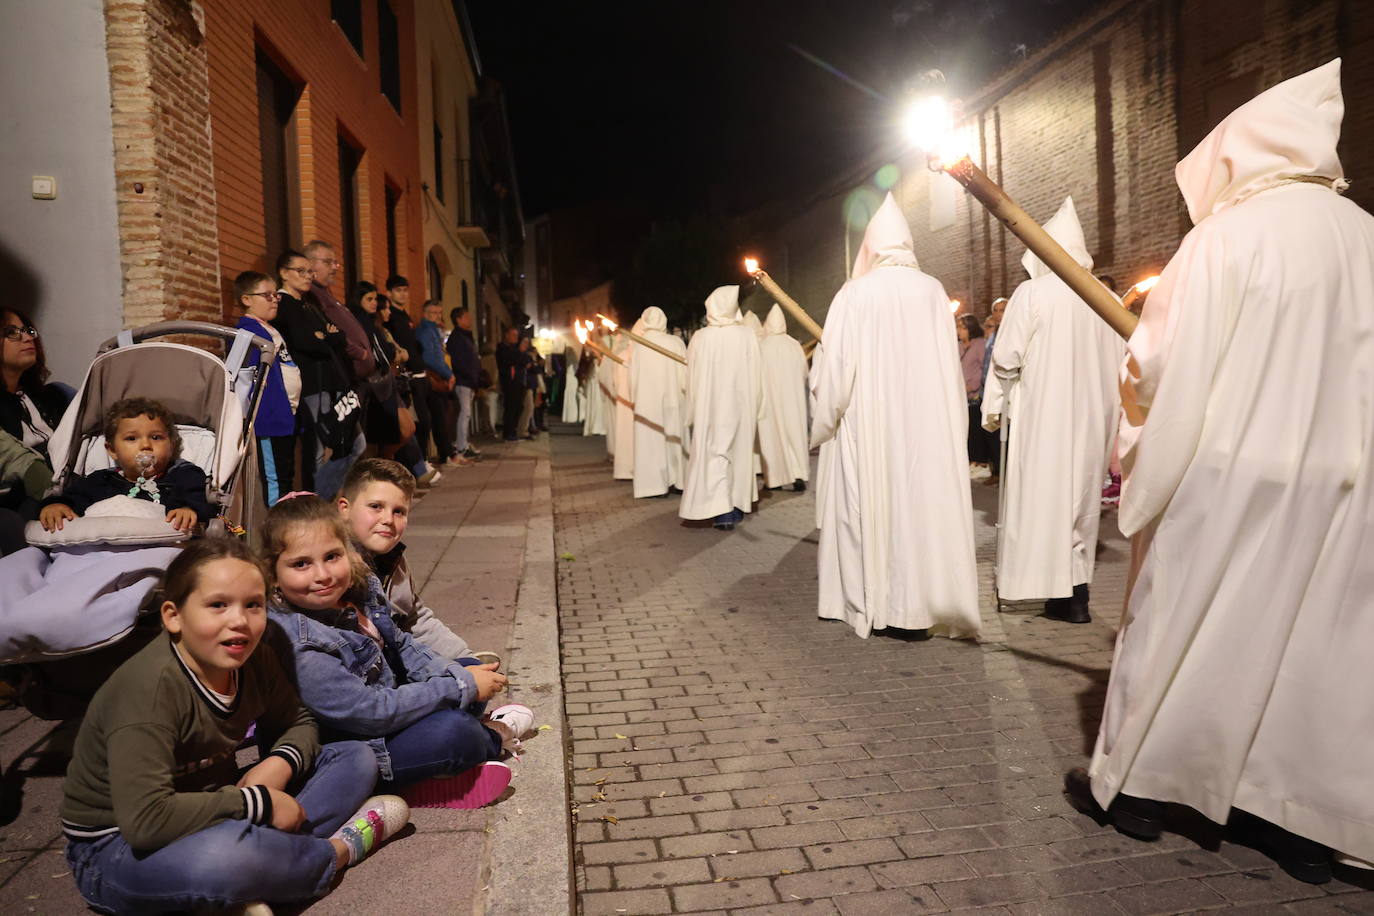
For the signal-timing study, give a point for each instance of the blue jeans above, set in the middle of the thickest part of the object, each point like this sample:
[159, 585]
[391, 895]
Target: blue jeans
[445, 742]
[329, 475]
[460, 431]
[233, 862]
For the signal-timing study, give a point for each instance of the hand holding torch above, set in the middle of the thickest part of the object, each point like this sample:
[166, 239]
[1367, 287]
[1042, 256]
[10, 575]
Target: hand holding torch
[586, 341]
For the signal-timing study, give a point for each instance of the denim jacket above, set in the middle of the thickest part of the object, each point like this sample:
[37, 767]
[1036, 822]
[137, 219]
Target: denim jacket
[354, 688]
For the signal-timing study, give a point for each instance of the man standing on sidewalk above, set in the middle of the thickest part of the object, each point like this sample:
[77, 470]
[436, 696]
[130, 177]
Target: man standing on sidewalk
[324, 266]
[467, 369]
[439, 379]
[511, 363]
[413, 372]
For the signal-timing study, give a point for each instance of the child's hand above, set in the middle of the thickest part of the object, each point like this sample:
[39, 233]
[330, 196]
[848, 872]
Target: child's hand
[489, 683]
[273, 772]
[287, 813]
[182, 519]
[53, 517]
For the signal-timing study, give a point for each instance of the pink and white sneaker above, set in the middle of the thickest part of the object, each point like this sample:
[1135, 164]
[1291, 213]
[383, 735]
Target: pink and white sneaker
[512, 722]
[473, 788]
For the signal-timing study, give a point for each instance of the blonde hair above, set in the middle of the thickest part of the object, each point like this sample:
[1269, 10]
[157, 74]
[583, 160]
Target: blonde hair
[290, 515]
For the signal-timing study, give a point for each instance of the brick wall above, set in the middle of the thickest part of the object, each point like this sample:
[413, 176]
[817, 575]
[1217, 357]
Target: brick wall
[160, 104]
[1102, 113]
[340, 94]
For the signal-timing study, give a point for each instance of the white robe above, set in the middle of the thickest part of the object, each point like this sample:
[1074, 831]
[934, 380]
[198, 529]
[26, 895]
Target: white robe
[572, 394]
[751, 321]
[603, 394]
[724, 401]
[1243, 674]
[896, 544]
[658, 387]
[1062, 411]
[783, 435]
[624, 468]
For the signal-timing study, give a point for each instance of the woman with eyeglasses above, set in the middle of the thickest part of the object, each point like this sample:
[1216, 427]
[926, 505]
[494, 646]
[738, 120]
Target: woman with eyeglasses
[275, 422]
[328, 422]
[30, 409]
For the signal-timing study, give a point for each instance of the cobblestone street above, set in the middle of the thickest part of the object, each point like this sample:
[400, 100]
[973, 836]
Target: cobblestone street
[733, 753]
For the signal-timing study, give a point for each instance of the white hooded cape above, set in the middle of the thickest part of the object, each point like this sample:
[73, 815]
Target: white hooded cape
[896, 545]
[724, 401]
[598, 406]
[603, 396]
[624, 425]
[751, 321]
[1243, 673]
[658, 387]
[1053, 375]
[783, 436]
[573, 409]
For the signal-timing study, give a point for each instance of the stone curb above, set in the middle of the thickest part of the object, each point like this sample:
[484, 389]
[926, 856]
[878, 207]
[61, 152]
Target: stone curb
[530, 853]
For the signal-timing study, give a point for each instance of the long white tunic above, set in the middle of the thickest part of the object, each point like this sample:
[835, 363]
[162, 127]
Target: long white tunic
[658, 387]
[724, 400]
[624, 468]
[597, 406]
[896, 544]
[1243, 674]
[783, 435]
[603, 394]
[572, 393]
[1062, 410]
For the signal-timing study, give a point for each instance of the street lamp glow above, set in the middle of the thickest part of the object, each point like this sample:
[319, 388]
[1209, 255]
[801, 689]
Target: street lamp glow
[928, 122]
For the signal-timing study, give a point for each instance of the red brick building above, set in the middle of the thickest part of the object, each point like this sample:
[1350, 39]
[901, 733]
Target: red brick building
[1102, 113]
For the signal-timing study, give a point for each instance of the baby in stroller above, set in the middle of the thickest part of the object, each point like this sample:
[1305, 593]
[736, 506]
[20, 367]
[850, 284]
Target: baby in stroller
[142, 440]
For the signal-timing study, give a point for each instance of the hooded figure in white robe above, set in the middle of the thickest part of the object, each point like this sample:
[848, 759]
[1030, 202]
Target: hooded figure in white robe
[596, 404]
[783, 437]
[624, 468]
[658, 387]
[1243, 674]
[604, 393]
[724, 401]
[751, 321]
[573, 410]
[1053, 376]
[896, 544]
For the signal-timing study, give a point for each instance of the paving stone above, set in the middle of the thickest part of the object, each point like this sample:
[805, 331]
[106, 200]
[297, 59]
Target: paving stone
[853, 852]
[797, 835]
[728, 894]
[625, 851]
[1180, 896]
[753, 864]
[616, 903]
[917, 899]
[828, 883]
[654, 874]
[922, 871]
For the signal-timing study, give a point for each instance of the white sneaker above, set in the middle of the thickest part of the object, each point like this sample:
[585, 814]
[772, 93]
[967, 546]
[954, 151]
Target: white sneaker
[430, 477]
[981, 472]
[378, 820]
[512, 722]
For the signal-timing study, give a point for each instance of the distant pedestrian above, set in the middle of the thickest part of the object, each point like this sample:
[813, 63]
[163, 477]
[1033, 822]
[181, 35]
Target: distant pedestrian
[512, 362]
[467, 370]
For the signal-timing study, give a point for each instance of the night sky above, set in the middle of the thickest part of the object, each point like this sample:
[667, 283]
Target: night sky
[714, 105]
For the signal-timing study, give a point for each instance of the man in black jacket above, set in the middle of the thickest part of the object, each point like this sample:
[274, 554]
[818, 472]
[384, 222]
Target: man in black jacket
[512, 365]
[467, 369]
[413, 372]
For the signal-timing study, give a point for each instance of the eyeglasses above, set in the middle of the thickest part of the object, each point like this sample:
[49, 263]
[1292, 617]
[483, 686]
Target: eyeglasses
[301, 271]
[14, 331]
[270, 297]
[329, 262]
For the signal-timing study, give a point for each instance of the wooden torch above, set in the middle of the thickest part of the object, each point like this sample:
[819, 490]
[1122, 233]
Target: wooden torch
[585, 339]
[617, 329]
[751, 267]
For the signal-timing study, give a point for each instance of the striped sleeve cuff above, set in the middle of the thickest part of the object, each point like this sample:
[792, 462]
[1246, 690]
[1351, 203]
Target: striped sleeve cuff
[292, 755]
[257, 804]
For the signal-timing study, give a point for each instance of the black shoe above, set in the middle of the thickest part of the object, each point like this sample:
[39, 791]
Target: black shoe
[799, 486]
[1070, 610]
[724, 526]
[1141, 818]
[1304, 859]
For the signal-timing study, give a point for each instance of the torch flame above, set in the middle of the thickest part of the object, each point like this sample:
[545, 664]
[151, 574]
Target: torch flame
[954, 306]
[751, 266]
[1144, 286]
[581, 332]
[608, 323]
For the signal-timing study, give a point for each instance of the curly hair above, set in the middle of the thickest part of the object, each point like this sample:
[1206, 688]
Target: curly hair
[129, 408]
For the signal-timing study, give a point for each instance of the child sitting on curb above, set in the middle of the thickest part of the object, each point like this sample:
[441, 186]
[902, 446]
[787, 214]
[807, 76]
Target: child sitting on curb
[141, 437]
[375, 501]
[366, 679]
[156, 813]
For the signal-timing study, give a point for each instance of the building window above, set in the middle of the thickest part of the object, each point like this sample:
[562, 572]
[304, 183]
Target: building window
[349, 16]
[438, 162]
[464, 289]
[436, 279]
[389, 53]
[277, 97]
[393, 203]
[349, 159]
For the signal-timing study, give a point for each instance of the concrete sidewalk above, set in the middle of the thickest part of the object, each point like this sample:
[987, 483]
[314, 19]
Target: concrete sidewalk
[481, 548]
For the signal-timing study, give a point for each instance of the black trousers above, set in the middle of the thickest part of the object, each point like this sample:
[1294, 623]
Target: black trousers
[512, 404]
[437, 404]
[419, 399]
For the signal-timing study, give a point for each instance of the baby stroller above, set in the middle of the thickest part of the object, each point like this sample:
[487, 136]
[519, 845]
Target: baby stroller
[65, 652]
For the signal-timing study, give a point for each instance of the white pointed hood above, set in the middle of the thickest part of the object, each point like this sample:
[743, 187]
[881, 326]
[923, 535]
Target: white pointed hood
[722, 306]
[887, 241]
[776, 323]
[1065, 229]
[1283, 133]
[654, 319]
[751, 321]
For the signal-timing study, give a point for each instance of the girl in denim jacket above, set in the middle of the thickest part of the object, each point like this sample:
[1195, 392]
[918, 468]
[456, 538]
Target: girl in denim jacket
[366, 679]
